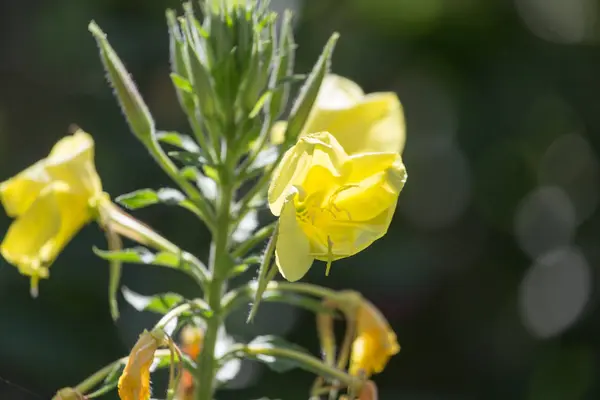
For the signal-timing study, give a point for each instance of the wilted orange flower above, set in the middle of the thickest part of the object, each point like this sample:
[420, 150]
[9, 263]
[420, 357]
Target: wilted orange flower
[134, 383]
[375, 341]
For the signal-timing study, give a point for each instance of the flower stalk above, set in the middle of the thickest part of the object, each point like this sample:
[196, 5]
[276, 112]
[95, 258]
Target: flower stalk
[331, 173]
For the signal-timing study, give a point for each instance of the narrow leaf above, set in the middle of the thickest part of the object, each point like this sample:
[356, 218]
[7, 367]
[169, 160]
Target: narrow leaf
[188, 158]
[265, 274]
[285, 66]
[138, 199]
[141, 255]
[159, 303]
[182, 83]
[179, 140]
[309, 91]
[147, 197]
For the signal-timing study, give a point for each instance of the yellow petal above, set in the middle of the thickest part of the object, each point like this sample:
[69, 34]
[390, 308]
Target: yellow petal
[376, 124]
[292, 253]
[134, 383]
[375, 186]
[33, 232]
[20, 191]
[337, 92]
[72, 161]
[316, 149]
[34, 240]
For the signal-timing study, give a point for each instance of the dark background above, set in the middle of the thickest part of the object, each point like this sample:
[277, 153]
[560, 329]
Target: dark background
[489, 271]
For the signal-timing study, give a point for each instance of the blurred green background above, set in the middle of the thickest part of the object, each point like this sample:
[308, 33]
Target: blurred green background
[489, 271]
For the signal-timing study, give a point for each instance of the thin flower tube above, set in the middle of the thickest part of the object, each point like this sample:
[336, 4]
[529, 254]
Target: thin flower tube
[360, 122]
[331, 205]
[51, 201]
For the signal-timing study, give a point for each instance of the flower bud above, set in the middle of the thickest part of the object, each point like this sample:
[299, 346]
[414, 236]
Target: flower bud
[133, 106]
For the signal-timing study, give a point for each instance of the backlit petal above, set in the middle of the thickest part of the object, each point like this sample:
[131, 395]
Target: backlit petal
[33, 232]
[292, 253]
[34, 240]
[369, 197]
[337, 92]
[20, 191]
[376, 124]
[72, 161]
[318, 149]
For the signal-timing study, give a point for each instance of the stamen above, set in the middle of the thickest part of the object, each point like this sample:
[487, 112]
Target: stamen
[333, 198]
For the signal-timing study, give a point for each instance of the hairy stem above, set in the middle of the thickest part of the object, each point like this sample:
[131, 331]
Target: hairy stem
[219, 265]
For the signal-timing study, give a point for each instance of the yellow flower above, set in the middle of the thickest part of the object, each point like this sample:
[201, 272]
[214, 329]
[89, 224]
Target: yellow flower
[51, 202]
[134, 383]
[361, 123]
[330, 205]
[374, 344]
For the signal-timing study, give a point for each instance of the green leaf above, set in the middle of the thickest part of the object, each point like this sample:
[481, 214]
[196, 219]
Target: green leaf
[309, 91]
[178, 140]
[170, 197]
[133, 106]
[147, 197]
[202, 82]
[182, 83]
[266, 273]
[211, 172]
[285, 66]
[160, 303]
[238, 270]
[189, 158]
[138, 199]
[141, 255]
[277, 364]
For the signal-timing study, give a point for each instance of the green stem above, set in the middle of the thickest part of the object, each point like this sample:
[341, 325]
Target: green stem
[219, 263]
[307, 362]
[180, 309]
[246, 292]
[92, 381]
[129, 227]
[97, 377]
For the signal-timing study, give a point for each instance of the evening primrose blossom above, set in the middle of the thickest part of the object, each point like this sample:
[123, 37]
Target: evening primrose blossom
[51, 201]
[331, 205]
[360, 122]
[375, 341]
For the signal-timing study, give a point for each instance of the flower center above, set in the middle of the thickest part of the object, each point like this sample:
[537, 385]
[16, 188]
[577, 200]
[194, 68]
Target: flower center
[317, 214]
